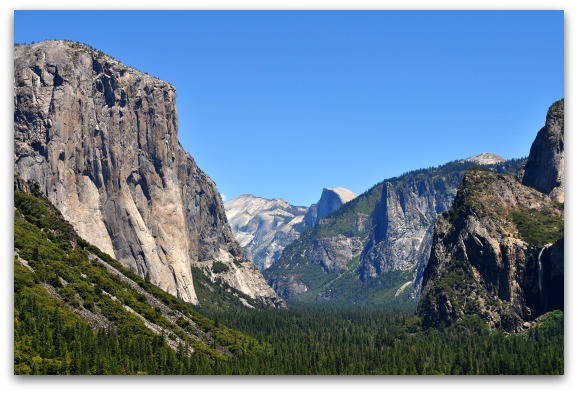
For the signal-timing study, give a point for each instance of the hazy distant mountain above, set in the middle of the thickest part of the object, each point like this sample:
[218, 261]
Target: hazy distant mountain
[264, 227]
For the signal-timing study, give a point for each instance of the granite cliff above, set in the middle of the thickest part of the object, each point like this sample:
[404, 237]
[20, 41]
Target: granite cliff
[545, 168]
[101, 140]
[331, 200]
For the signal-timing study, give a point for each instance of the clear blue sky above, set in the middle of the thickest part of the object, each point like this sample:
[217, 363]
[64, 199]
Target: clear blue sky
[284, 103]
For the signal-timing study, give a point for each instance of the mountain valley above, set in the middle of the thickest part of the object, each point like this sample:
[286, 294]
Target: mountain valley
[127, 261]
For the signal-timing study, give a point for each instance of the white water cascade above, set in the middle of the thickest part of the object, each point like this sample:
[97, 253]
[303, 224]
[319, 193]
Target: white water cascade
[541, 278]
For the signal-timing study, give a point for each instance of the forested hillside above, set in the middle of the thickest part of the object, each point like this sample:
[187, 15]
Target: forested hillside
[77, 311]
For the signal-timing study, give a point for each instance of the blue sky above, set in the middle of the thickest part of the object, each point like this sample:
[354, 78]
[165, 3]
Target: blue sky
[284, 103]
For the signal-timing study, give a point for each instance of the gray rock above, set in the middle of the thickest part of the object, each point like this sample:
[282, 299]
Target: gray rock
[544, 170]
[264, 227]
[385, 232]
[331, 200]
[486, 159]
[403, 224]
[334, 253]
[245, 277]
[101, 140]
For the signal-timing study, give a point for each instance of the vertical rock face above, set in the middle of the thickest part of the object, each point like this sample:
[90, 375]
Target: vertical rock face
[334, 254]
[545, 168]
[331, 200]
[264, 227]
[100, 139]
[497, 253]
[403, 224]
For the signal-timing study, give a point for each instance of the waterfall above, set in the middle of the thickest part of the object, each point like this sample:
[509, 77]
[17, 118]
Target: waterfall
[541, 279]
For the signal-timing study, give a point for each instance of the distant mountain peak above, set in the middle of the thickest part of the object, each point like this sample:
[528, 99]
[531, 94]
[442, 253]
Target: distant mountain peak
[486, 159]
[344, 194]
[264, 226]
[331, 200]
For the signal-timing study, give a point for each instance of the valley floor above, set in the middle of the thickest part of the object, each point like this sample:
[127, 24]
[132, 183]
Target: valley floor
[308, 340]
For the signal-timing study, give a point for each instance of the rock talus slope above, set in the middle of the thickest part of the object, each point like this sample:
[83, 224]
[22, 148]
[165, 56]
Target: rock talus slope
[100, 139]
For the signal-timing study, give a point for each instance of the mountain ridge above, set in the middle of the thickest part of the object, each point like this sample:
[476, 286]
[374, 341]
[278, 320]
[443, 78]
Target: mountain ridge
[364, 247]
[545, 168]
[75, 296]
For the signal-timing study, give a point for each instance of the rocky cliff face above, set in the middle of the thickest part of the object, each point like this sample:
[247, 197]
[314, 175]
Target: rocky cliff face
[100, 139]
[403, 223]
[331, 200]
[376, 243]
[264, 227]
[497, 253]
[545, 168]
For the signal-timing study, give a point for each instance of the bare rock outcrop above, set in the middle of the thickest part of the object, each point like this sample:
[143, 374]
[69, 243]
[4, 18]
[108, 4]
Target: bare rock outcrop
[331, 200]
[244, 276]
[101, 140]
[378, 241]
[544, 170]
[403, 224]
[334, 253]
[486, 159]
[264, 227]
